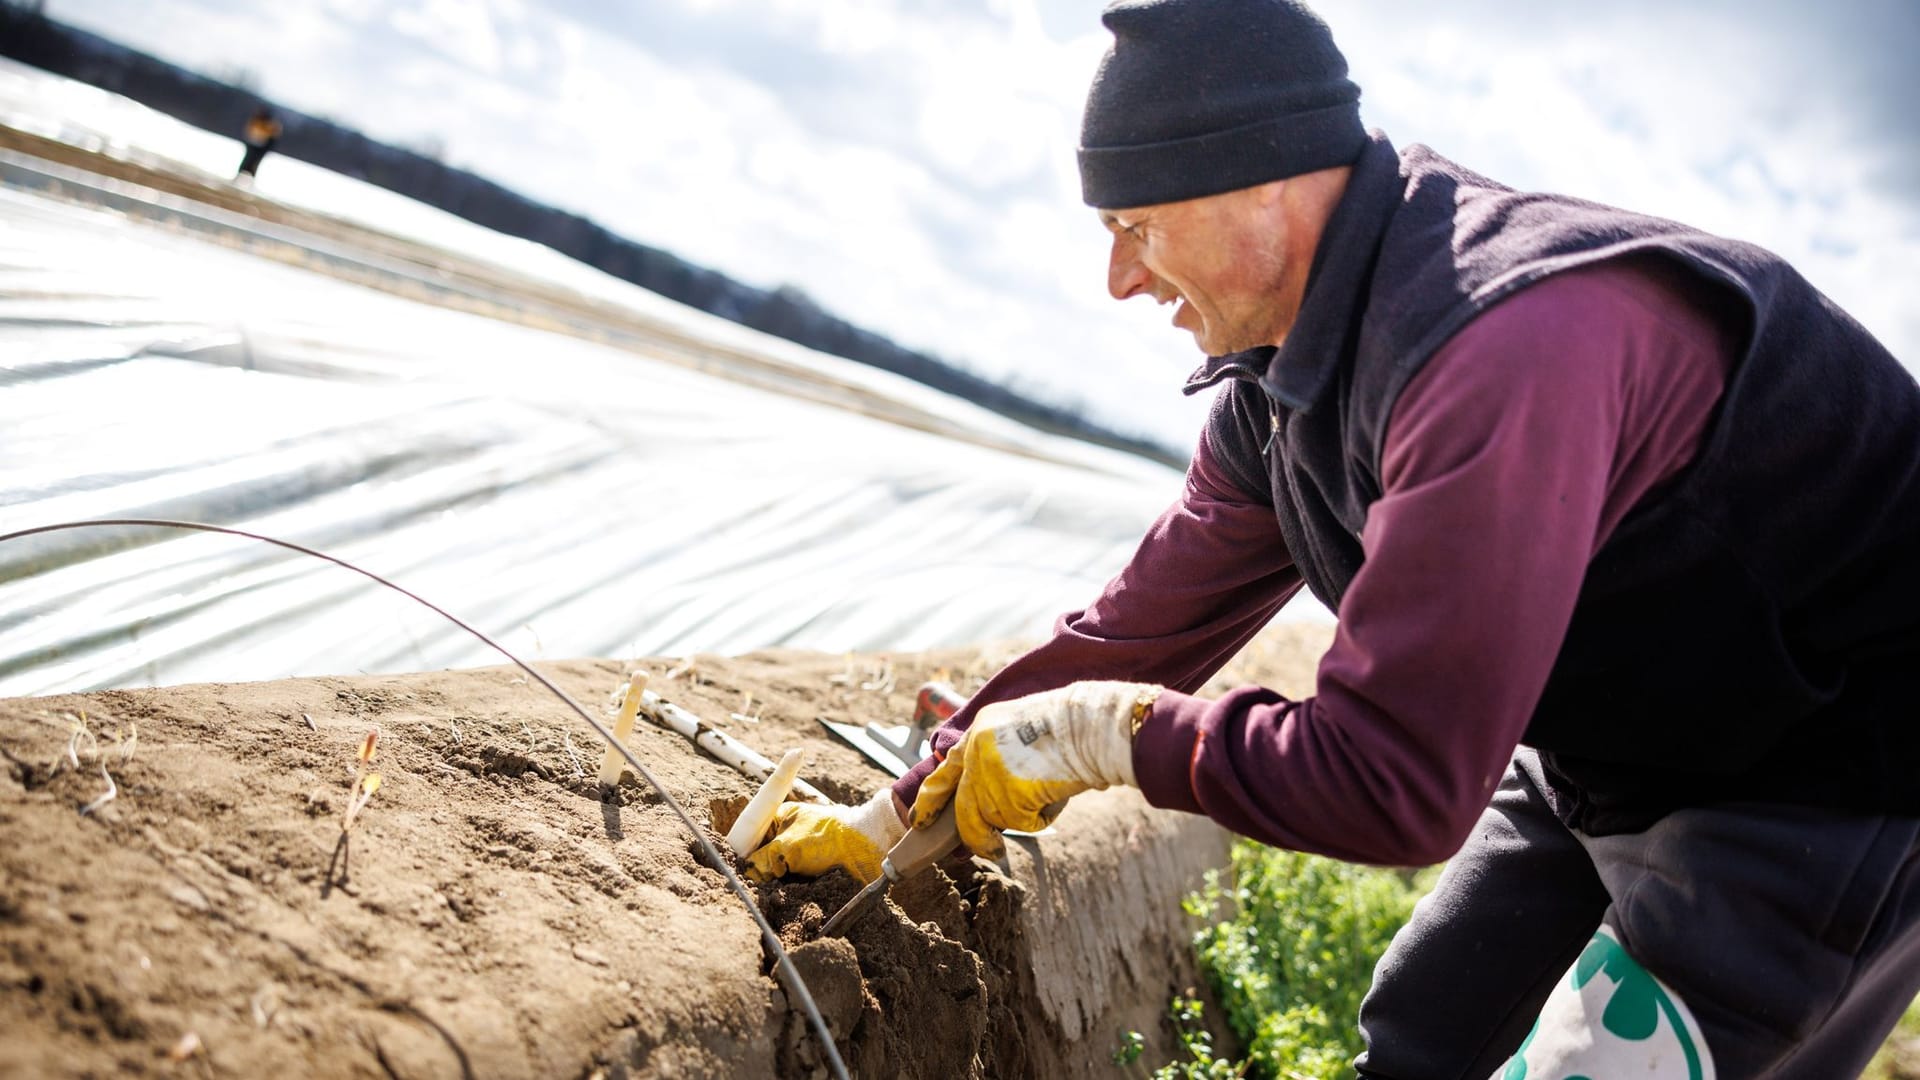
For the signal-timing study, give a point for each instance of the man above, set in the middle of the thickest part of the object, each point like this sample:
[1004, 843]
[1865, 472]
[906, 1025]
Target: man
[261, 132]
[1622, 525]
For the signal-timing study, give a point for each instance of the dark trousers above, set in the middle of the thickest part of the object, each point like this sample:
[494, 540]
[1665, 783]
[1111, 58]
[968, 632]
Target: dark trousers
[250, 161]
[1792, 934]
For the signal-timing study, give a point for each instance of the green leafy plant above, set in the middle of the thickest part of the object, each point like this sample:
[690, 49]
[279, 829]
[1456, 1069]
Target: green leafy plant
[1290, 948]
[1200, 1064]
[1188, 1015]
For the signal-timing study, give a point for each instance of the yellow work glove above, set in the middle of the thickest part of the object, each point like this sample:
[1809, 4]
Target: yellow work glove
[1021, 756]
[810, 839]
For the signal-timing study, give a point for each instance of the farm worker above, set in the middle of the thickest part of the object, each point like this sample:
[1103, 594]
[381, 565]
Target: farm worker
[1621, 522]
[260, 133]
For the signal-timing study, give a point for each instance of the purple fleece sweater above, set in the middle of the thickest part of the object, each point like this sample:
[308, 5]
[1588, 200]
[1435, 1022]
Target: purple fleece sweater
[1507, 463]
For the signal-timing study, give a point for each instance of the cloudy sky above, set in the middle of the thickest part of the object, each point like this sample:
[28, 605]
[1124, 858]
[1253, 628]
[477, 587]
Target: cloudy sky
[909, 163]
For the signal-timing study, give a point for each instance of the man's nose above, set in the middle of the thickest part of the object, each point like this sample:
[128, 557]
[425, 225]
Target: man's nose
[1126, 274]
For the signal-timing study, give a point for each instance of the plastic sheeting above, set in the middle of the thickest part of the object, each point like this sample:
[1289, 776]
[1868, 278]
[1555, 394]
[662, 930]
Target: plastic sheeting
[570, 497]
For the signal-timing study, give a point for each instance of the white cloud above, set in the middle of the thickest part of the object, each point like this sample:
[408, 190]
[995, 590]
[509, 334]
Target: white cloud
[1704, 114]
[850, 26]
[464, 30]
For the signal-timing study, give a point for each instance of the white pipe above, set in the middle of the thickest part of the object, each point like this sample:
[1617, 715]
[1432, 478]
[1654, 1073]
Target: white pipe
[752, 824]
[719, 744]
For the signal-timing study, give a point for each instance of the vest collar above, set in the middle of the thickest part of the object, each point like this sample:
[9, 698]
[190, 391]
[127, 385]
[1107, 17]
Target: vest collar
[1297, 372]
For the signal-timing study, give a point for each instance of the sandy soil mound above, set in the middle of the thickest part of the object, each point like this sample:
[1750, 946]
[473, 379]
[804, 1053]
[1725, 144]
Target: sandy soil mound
[495, 915]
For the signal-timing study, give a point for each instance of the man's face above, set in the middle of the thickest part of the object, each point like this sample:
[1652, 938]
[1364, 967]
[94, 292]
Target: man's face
[1234, 265]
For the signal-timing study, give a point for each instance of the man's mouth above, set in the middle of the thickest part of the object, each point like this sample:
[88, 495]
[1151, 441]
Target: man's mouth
[1172, 296]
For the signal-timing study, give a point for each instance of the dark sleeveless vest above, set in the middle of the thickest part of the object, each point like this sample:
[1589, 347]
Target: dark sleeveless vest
[1751, 630]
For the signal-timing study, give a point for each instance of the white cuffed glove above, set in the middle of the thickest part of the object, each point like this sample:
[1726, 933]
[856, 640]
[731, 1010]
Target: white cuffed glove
[1024, 755]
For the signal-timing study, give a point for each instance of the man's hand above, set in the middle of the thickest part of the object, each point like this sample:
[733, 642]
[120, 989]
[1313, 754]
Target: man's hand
[1021, 756]
[810, 839]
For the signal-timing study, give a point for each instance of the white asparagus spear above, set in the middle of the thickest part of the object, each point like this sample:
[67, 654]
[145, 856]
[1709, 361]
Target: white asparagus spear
[754, 820]
[722, 746]
[611, 764]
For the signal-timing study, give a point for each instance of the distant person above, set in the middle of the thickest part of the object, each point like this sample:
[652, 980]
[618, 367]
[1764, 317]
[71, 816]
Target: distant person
[1621, 521]
[262, 131]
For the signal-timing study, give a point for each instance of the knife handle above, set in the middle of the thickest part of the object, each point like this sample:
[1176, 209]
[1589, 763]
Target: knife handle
[923, 847]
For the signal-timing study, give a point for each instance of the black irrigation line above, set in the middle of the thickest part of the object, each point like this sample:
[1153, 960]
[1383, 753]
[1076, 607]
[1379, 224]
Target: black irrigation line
[788, 973]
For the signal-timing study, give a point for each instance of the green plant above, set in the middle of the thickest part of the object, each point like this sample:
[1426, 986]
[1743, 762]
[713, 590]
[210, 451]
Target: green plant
[1292, 954]
[1188, 1015]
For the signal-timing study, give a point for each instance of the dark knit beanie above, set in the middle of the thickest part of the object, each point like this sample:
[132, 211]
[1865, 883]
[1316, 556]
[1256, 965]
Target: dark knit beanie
[1198, 97]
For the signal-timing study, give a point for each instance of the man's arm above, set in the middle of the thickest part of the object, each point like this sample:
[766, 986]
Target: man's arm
[1209, 574]
[1507, 463]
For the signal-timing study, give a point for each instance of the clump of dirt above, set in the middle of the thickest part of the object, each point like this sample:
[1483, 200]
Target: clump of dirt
[902, 969]
[901, 991]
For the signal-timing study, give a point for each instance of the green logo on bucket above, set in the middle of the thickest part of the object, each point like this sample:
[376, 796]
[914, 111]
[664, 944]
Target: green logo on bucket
[1641, 1026]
